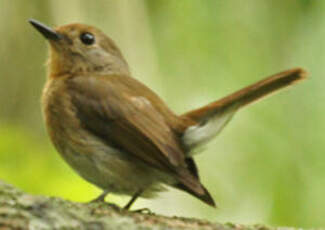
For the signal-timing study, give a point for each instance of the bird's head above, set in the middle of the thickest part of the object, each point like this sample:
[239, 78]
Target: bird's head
[81, 49]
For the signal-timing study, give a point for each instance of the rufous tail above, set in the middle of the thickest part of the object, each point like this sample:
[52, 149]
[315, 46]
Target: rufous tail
[250, 93]
[210, 120]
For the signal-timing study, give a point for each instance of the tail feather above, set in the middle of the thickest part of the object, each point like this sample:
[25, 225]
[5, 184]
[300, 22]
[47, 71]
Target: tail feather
[209, 121]
[250, 93]
[212, 118]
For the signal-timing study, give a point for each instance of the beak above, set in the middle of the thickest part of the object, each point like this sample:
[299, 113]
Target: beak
[46, 31]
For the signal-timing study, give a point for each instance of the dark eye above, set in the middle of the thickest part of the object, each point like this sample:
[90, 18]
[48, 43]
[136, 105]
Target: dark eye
[87, 38]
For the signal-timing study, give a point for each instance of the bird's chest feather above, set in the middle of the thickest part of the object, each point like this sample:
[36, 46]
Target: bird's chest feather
[96, 161]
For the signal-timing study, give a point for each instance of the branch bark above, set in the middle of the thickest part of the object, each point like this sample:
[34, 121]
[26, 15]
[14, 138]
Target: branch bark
[19, 210]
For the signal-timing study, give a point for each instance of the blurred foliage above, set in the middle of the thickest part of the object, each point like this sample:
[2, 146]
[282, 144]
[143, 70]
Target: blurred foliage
[268, 166]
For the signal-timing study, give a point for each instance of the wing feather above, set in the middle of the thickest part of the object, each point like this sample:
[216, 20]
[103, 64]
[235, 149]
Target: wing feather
[127, 120]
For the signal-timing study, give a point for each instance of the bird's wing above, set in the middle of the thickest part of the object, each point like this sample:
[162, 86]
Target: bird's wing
[125, 119]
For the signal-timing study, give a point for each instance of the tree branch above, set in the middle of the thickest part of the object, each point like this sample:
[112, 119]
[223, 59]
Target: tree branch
[19, 210]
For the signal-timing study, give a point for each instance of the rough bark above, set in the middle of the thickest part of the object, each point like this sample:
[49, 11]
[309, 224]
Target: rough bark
[19, 210]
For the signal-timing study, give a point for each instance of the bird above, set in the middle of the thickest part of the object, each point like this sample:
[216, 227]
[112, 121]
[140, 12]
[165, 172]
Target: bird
[117, 133]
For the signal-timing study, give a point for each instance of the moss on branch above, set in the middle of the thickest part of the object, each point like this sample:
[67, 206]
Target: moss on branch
[19, 210]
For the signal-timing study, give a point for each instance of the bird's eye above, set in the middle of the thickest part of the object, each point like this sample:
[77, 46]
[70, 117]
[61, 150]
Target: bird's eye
[87, 38]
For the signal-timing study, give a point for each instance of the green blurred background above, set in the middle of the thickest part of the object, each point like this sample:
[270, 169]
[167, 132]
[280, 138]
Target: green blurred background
[268, 166]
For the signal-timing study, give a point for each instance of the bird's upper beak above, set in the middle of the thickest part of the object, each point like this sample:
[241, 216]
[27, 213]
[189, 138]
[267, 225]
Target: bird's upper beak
[46, 31]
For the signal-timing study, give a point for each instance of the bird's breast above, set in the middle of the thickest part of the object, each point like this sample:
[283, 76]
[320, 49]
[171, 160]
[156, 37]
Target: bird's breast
[93, 158]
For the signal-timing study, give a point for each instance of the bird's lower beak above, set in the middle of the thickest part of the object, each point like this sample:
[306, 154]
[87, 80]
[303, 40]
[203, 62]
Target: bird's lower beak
[46, 31]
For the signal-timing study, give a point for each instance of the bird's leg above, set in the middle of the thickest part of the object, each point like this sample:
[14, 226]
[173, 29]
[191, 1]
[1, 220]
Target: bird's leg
[134, 197]
[100, 198]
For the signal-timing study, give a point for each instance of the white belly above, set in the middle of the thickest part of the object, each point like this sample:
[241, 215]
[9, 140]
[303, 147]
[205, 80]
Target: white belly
[111, 169]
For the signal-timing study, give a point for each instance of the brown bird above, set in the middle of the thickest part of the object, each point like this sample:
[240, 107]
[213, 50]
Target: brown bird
[116, 132]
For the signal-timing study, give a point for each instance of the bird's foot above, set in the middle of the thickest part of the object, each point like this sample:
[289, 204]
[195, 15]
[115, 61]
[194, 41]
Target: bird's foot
[100, 198]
